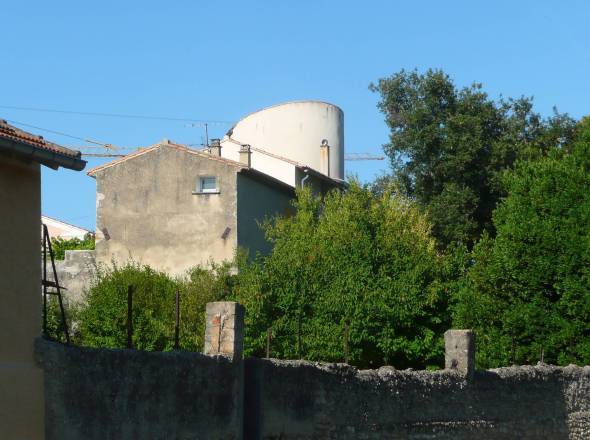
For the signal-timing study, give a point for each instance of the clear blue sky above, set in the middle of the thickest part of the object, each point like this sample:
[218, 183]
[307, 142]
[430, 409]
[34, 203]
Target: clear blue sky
[220, 60]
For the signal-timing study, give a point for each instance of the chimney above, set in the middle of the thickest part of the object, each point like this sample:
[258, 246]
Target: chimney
[215, 147]
[245, 155]
[325, 158]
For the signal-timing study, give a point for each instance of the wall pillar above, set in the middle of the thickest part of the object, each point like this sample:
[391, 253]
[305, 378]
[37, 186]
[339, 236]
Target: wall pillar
[224, 329]
[460, 352]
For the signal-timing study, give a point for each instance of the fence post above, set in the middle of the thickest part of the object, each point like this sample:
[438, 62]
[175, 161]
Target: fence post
[346, 342]
[177, 324]
[129, 316]
[224, 329]
[460, 352]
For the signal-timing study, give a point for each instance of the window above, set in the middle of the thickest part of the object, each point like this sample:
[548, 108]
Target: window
[208, 185]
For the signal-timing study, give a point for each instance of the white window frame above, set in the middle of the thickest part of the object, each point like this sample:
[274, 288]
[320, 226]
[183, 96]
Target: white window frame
[201, 185]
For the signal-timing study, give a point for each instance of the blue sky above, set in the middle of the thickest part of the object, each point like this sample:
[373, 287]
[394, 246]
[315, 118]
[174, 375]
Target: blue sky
[221, 60]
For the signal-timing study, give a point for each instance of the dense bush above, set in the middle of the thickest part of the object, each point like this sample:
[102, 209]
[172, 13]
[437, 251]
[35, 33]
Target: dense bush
[352, 260]
[101, 322]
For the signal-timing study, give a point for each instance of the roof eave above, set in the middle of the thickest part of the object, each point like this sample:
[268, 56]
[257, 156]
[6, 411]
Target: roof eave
[45, 157]
[336, 182]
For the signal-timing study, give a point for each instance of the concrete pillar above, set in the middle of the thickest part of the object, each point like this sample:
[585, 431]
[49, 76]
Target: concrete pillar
[460, 352]
[224, 329]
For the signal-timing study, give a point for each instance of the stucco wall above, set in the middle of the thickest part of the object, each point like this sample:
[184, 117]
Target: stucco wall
[146, 211]
[21, 382]
[256, 202]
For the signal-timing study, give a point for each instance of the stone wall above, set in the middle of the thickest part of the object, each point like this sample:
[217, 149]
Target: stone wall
[75, 272]
[125, 394]
[302, 400]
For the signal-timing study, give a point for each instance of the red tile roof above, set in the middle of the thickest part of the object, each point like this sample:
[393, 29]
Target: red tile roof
[9, 132]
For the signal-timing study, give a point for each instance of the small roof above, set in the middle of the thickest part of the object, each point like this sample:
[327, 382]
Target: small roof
[241, 167]
[34, 147]
[92, 172]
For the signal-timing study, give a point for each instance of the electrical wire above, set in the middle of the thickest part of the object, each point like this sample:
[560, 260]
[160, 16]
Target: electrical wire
[118, 115]
[60, 133]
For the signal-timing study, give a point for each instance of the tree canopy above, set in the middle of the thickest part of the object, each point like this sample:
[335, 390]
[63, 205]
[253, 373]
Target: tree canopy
[528, 293]
[448, 147]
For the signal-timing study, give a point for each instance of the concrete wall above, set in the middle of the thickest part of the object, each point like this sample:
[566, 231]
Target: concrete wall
[147, 211]
[21, 381]
[75, 272]
[126, 394]
[256, 202]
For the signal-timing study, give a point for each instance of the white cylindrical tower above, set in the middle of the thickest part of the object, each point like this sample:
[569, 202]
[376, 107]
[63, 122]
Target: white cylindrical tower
[310, 133]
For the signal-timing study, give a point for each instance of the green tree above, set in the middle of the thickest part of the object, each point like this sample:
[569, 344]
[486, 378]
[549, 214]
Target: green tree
[351, 261]
[528, 293]
[449, 146]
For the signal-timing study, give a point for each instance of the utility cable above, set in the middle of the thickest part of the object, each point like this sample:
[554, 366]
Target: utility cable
[118, 115]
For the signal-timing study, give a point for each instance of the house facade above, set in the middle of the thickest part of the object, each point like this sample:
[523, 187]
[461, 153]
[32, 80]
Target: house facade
[172, 207]
[21, 381]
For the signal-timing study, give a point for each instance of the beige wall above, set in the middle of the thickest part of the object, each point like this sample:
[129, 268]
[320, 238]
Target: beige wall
[21, 382]
[147, 209]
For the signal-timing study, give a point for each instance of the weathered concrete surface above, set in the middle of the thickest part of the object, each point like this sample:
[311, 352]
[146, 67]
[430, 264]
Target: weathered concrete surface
[460, 352]
[126, 394]
[21, 382]
[149, 209]
[301, 400]
[224, 329]
[75, 272]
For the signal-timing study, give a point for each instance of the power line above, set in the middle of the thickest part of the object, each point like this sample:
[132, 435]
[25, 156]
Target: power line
[60, 133]
[118, 115]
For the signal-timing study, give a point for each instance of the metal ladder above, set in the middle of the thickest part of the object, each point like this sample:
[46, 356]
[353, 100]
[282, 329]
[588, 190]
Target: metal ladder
[46, 284]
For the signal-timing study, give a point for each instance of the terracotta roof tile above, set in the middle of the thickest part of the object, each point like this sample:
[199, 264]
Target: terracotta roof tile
[9, 132]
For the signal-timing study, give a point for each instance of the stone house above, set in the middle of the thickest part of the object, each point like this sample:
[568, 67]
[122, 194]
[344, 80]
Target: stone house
[172, 207]
[21, 381]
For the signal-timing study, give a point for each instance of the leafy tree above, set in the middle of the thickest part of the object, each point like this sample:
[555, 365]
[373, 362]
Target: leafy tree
[352, 261]
[61, 245]
[528, 293]
[449, 146]
[101, 322]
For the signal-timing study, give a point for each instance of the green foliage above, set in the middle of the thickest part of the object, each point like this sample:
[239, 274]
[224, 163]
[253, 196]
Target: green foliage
[528, 293]
[102, 321]
[60, 245]
[55, 328]
[449, 146]
[351, 260]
